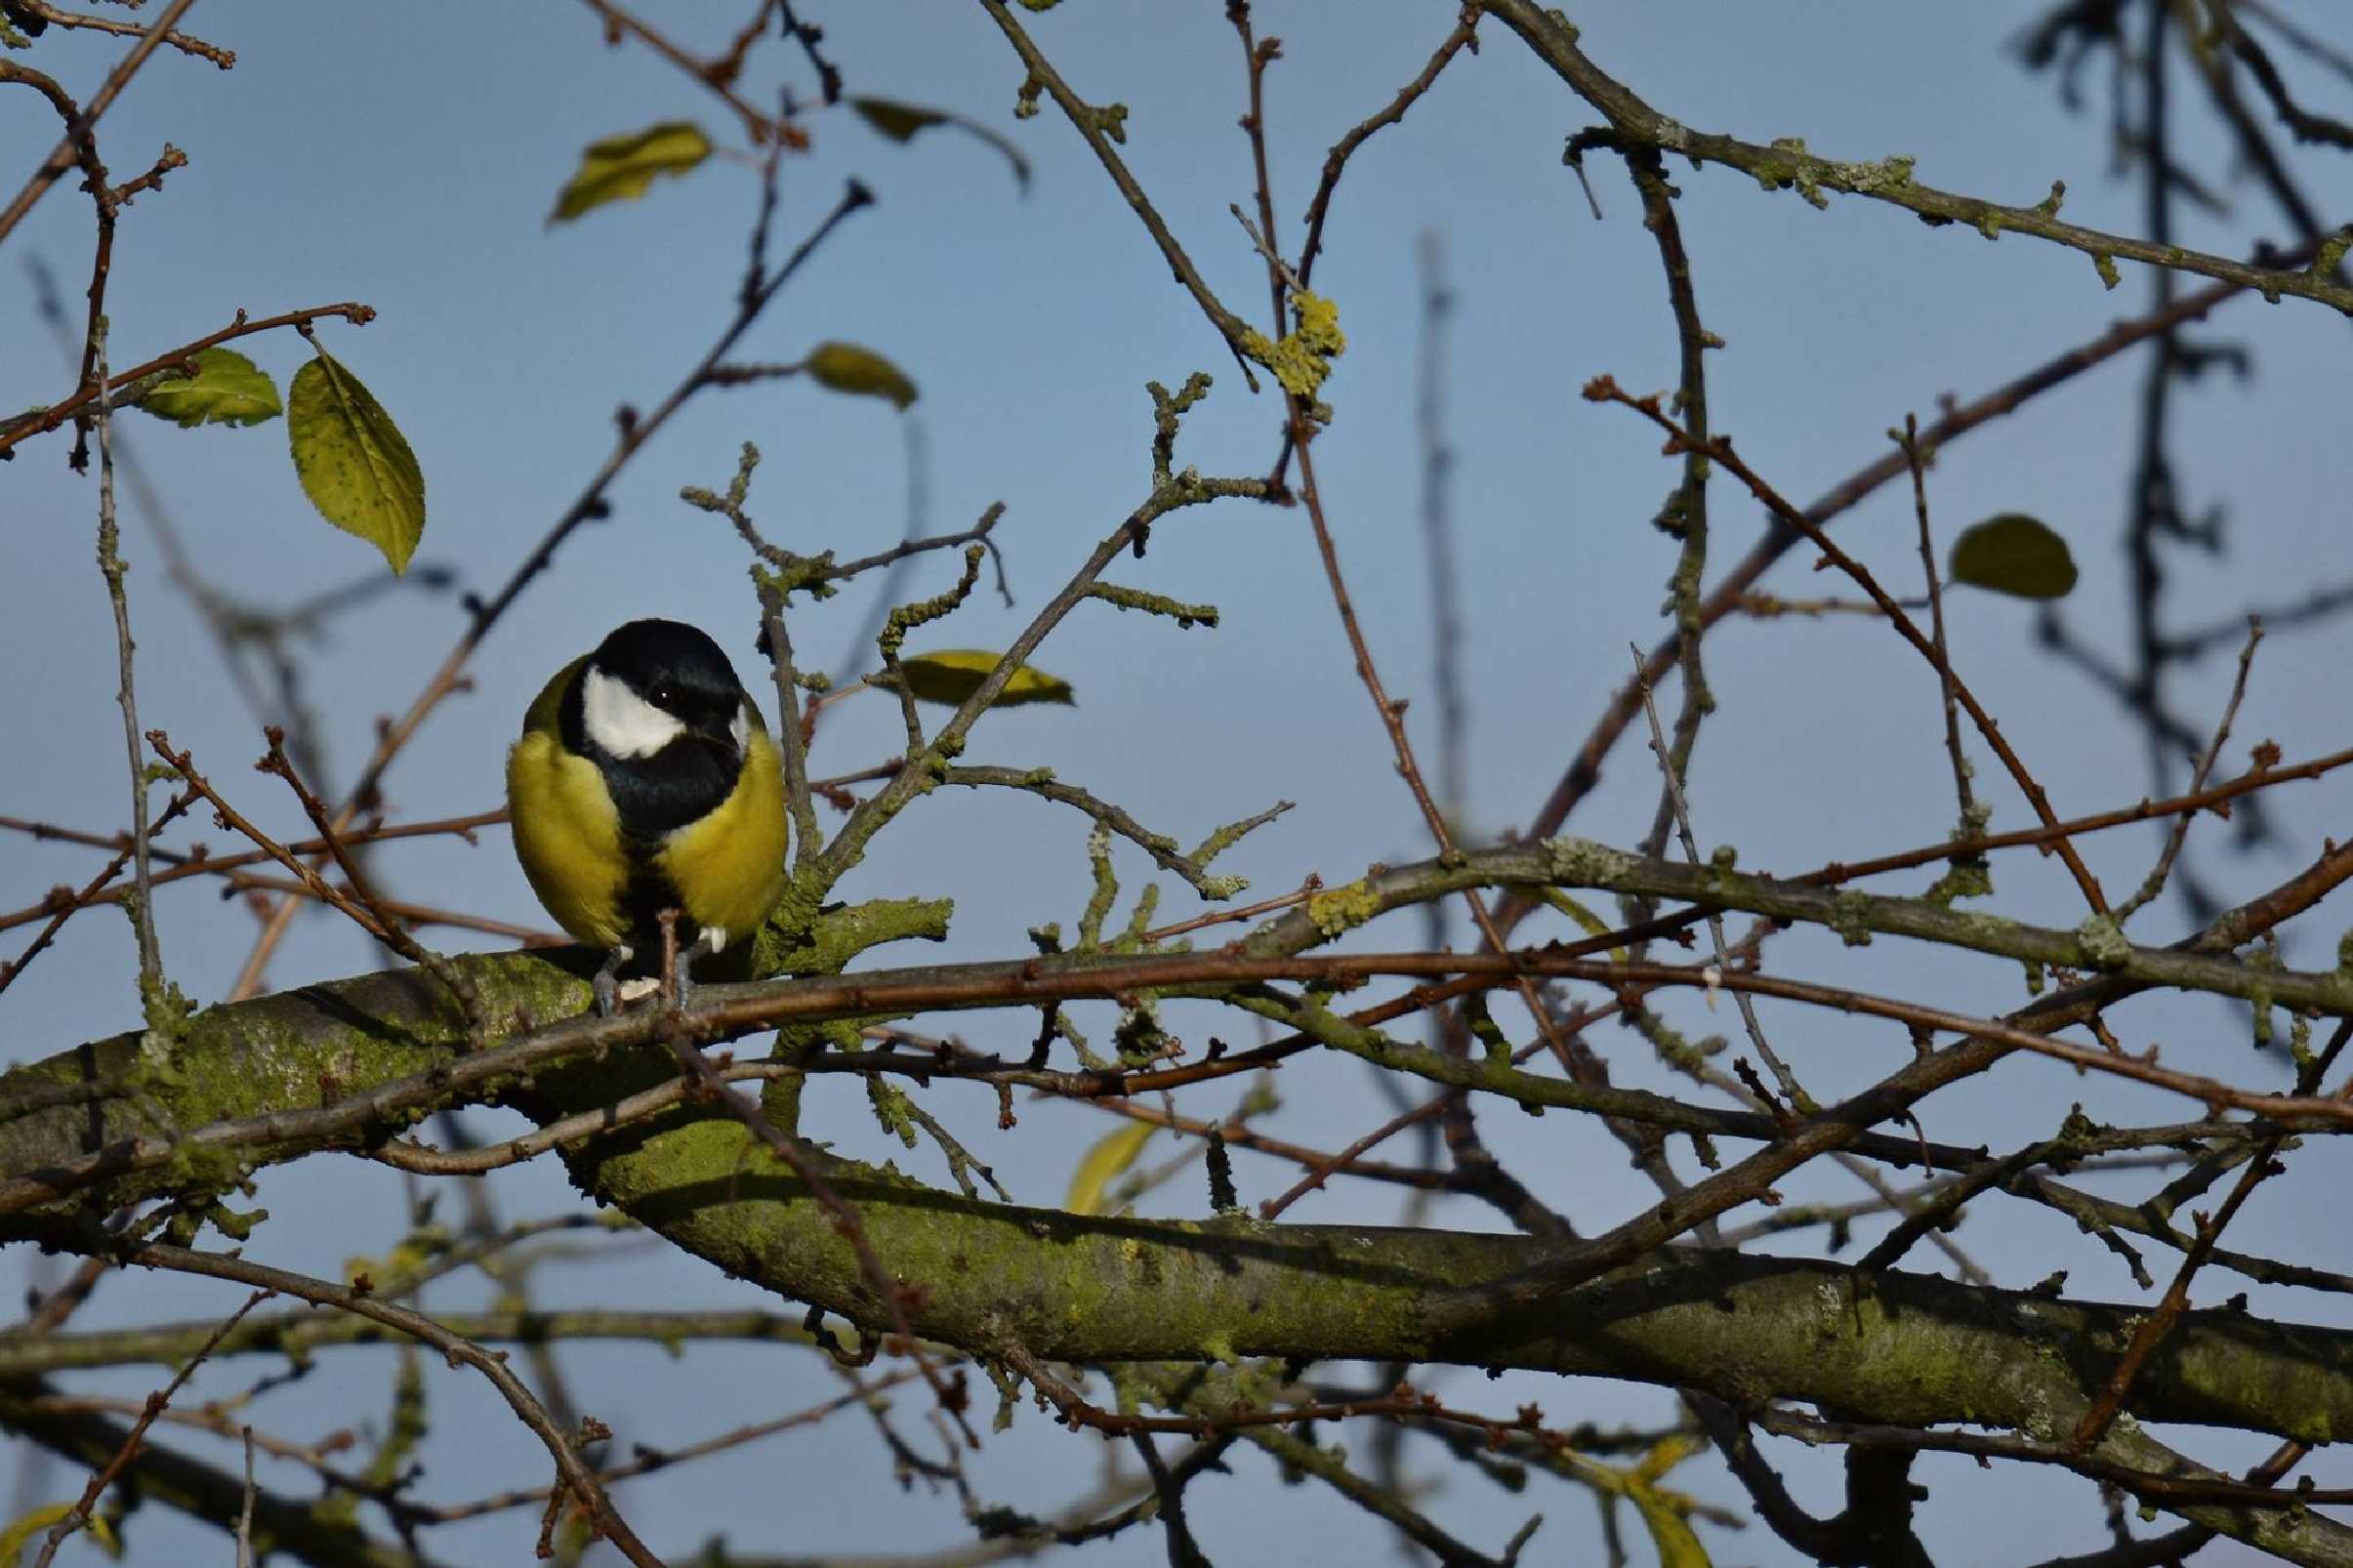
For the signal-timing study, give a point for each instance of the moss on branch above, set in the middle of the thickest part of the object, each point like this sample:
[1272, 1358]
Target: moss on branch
[340, 1065]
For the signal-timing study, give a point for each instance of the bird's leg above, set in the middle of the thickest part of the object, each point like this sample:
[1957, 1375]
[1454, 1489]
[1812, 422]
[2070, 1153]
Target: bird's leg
[710, 939]
[607, 984]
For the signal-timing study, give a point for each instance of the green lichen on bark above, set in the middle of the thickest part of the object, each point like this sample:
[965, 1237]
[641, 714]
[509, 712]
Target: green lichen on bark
[1583, 863]
[1303, 361]
[1339, 910]
[2103, 944]
[1851, 917]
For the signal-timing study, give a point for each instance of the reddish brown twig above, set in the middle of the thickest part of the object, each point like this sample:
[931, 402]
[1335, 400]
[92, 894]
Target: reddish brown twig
[2261, 1163]
[1603, 390]
[180, 358]
[278, 764]
[2155, 882]
[1584, 769]
[407, 912]
[717, 74]
[59, 914]
[571, 1469]
[84, 119]
[59, 17]
[79, 1514]
[197, 864]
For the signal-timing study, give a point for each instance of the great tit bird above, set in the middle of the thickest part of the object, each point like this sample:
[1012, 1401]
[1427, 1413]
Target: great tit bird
[646, 780]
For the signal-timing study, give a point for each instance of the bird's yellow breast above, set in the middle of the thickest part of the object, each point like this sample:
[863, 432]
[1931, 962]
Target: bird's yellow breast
[568, 838]
[729, 866]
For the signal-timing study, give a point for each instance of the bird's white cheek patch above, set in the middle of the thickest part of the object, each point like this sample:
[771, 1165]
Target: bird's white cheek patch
[741, 730]
[620, 722]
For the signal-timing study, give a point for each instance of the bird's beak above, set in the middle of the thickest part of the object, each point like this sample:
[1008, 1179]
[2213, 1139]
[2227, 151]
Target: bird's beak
[716, 733]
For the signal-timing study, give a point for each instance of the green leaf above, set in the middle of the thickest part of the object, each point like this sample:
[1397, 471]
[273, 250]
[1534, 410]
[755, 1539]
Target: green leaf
[895, 119]
[1111, 1154]
[619, 168]
[848, 369]
[949, 675]
[355, 464]
[901, 121]
[228, 389]
[2016, 555]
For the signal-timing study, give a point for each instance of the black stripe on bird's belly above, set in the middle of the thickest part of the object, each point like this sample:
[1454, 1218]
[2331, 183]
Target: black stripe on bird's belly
[682, 783]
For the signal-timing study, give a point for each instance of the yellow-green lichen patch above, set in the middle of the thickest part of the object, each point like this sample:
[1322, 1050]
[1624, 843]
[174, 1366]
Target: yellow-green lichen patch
[1851, 917]
[1303, 361]
[1970, 877]
[1343, 908]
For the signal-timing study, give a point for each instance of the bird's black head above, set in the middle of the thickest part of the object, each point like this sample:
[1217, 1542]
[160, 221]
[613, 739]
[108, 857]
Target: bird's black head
[660, 695]
[676, 669]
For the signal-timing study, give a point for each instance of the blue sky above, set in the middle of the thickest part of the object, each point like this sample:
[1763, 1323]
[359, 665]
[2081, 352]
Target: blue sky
[407, 156]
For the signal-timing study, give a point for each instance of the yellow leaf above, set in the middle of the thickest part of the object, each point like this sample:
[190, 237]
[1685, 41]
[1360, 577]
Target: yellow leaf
[1591, 924]
[1672, 1533]
[1665, 1453]
[19, 1535]
[848, 369]
[1111, 1155]
[2016, 555]
[948, 676]
[355, 464]
[619, 168]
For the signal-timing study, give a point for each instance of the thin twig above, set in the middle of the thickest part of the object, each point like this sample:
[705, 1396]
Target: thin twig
[1584, 769]
[1799, 1099]
[2152, 1330]
[1916, 460]
[181, 866]
[1098, 129]
[92, 891]
[2154, 883]
[1463, 35]
[396, 937]
[1719, 447]
[58, 16]
[79, 1514]
[68, 151]
[717, 76]
[110, 567]
[573, 1471]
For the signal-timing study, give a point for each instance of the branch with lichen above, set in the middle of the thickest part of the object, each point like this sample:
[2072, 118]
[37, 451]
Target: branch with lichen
[1192, 868]
[1786, 164]
[1063, 1282]
[1170, 492]
[208, 1118]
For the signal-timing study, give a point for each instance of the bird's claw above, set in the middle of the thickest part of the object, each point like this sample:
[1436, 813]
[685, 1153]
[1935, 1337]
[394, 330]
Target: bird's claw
[606, 986]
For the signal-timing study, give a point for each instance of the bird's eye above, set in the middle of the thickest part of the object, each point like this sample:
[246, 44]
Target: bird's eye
[665, 696]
